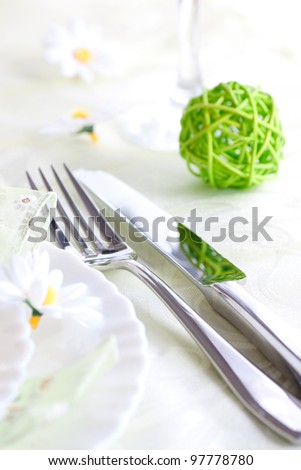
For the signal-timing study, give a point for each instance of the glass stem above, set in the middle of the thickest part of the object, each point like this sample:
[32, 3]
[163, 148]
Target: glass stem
[189, 78]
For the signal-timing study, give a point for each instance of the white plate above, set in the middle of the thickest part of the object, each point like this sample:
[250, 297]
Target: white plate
[98, 417]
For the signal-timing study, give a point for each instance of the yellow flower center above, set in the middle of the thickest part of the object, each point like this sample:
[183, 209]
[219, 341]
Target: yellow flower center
[51, 296]
[94, 137]
[80, 114]
[34, 321]
[50, 299]
[83, 55]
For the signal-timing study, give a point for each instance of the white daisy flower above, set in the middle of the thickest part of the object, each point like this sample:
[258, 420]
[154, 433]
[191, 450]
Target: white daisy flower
[29, 280]
[24, 201]
[80, 51]
[80, 121]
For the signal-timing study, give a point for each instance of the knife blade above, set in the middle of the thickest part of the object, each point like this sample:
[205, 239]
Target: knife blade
[212, 273]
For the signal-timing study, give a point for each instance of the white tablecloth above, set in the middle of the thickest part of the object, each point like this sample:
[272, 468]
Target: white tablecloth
[185, 404]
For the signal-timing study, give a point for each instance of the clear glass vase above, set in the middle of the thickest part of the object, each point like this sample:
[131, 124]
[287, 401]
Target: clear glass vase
[157, 126]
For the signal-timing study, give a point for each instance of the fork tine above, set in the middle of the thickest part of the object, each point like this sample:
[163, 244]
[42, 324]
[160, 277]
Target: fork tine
[31, 182]
[54, 227]
[76, 235]
[103, 224]
[97, 243]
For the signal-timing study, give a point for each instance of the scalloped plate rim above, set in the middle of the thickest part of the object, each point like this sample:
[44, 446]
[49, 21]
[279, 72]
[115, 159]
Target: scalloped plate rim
[133, 360]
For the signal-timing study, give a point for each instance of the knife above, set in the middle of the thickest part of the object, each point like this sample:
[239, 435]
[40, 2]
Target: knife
[215, 276]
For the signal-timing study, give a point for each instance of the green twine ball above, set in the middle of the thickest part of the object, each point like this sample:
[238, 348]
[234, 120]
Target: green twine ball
[231, 136]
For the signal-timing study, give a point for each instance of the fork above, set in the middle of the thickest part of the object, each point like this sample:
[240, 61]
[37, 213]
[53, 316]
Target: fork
[268, 401]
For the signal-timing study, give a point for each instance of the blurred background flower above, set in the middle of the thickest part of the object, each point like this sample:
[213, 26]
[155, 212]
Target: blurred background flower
[81, 121]
[80, 50]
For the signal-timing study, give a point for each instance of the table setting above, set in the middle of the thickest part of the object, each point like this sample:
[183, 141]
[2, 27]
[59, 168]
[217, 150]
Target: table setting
[149, 223]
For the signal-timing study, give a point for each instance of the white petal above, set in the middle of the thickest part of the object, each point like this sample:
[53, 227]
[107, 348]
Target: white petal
[79, 34]
[56, 37]
[41, 264]
[53, 129]
[79, 304]
[77, 27]
[55, 279]
[69, 68]
[86, 73]
[37, 293]
[13, 311]
[10, 291]
[20, 273]
[73, 292]
[94, 35]
[63, 126]
[83, 315]
[51, 310]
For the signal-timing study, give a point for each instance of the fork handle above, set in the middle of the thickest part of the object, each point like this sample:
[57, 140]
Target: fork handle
[272, 335]
[261, 395]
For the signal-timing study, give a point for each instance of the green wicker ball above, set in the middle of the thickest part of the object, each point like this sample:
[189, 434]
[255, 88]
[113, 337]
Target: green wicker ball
[231, 136]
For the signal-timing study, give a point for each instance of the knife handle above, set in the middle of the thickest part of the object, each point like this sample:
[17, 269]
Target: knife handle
[270, 333]
[261, 395]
